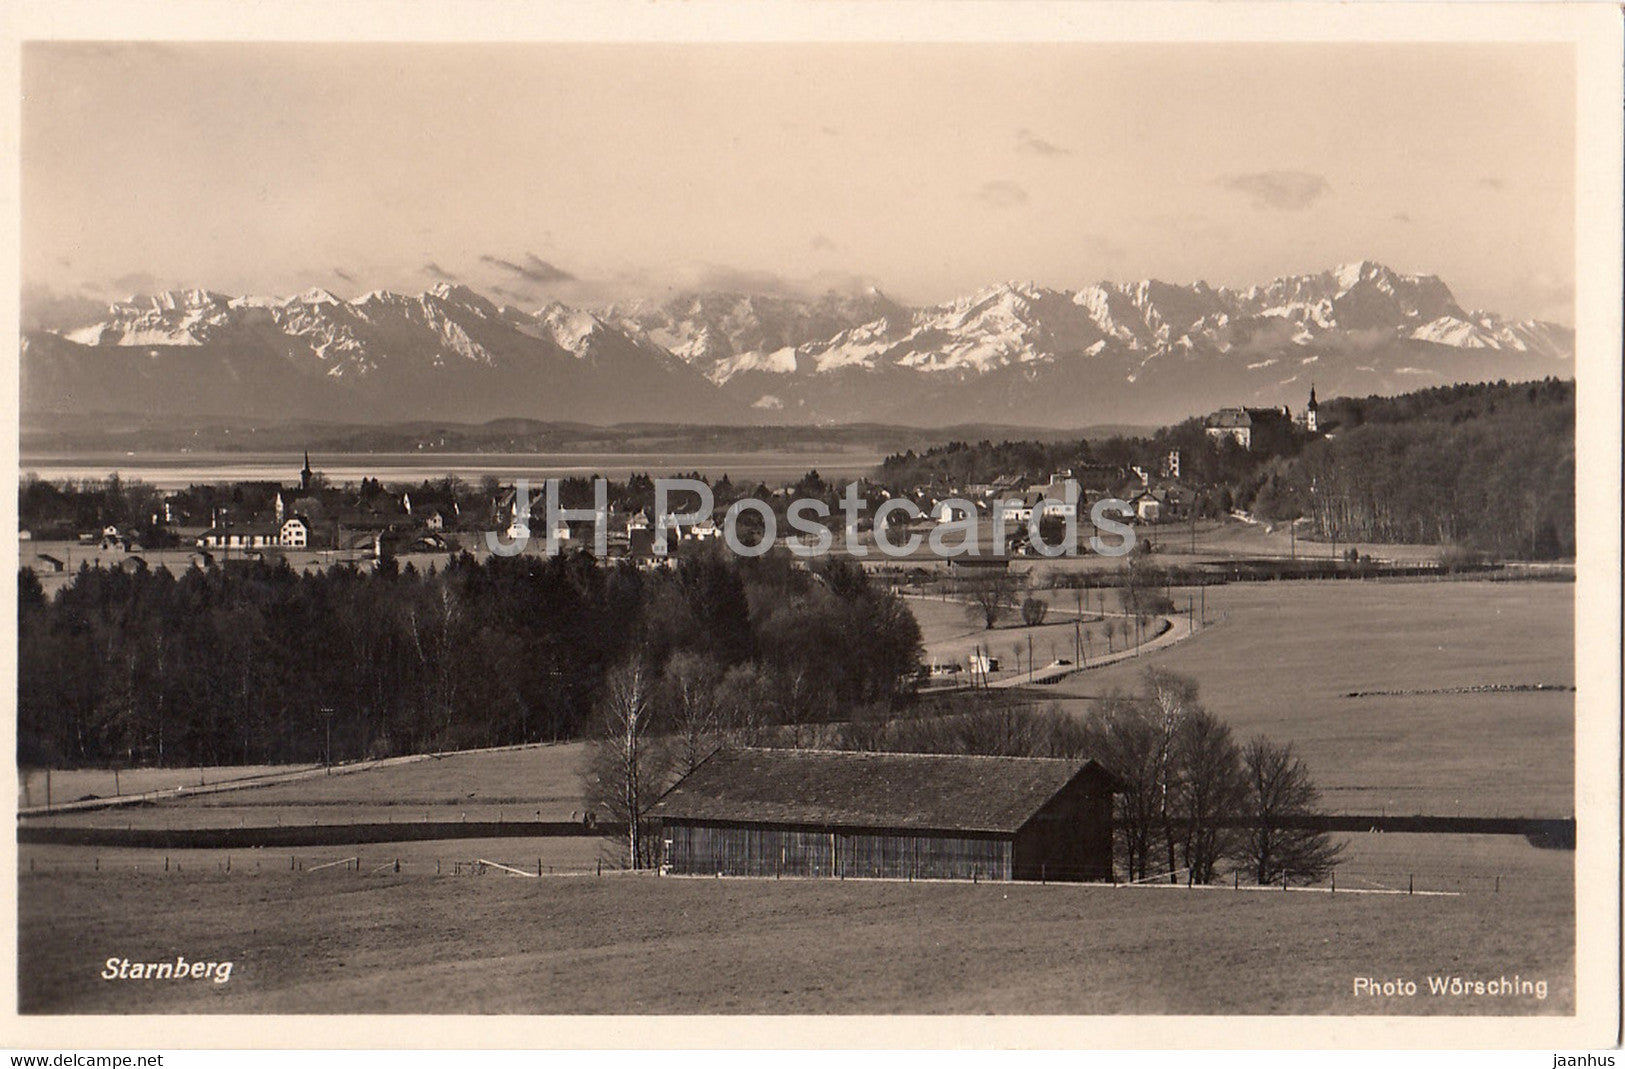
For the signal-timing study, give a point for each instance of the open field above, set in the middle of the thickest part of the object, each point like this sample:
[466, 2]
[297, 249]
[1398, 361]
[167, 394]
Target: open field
[381, 943]
[1279, 658]
[73, 784]
[540, 782]
[951, 636]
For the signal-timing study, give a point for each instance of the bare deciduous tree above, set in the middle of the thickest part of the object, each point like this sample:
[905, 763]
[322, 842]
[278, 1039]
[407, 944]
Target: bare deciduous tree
[991, 598]
[1182, 789]
[1212, 794]
[690, 697]
[628, 765]
[1279, 796]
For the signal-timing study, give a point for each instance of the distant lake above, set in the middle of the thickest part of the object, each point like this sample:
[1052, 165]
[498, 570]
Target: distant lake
[172, 471]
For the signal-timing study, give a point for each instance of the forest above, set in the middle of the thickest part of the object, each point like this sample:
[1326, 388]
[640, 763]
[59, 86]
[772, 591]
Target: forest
[251, 662]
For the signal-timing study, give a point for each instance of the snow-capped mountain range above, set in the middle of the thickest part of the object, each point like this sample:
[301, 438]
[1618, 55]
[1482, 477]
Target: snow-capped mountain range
[1142, 351]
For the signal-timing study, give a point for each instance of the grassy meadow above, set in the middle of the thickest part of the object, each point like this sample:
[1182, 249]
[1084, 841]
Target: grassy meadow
[1280, 658]
[387, 943]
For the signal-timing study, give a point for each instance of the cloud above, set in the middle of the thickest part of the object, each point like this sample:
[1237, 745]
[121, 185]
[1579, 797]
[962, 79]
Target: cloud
[670, 280]
[1001, 193]
[340, 273]
[1027, 141]
[434, 270]
[1491, 182]
[42, 308]
[534, 269]
[1281, 191]
[134, 282]
[517, 296]
[822, 243]
[720, 278]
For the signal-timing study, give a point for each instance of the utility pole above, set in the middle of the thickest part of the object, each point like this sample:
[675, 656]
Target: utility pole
[327, 713]
[1029, 656]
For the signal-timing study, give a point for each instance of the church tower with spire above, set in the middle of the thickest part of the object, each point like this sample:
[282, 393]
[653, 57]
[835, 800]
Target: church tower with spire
[1311, 415]
[305, 475]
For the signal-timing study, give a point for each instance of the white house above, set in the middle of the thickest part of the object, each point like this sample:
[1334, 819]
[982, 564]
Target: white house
[951, 510]
[295, 532]
[255, 536]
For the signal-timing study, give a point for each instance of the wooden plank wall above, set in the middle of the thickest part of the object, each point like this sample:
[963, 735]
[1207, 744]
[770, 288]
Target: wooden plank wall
[707, 850]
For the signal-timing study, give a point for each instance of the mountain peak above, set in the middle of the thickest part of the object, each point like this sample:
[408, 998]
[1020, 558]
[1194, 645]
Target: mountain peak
[846, 354]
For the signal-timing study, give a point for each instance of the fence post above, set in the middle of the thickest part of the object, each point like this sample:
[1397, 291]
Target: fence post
[600, 866]
[1412, 889]
[1498, 885]
[1237, 875]
[1334, 883]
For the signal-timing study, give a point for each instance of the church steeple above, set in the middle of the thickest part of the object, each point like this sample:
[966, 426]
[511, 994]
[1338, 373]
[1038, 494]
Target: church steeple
[1311, 415]
[305, 474]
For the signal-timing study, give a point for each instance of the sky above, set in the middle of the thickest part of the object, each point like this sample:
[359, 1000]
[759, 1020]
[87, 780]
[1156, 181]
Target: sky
[593, 173]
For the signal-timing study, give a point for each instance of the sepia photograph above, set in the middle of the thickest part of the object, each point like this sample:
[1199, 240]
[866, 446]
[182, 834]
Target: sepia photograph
[818, 516]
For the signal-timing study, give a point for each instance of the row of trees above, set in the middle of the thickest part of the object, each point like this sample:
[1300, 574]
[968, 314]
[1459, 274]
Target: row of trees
[1141, 590]
[251, 662]
[1195, 800]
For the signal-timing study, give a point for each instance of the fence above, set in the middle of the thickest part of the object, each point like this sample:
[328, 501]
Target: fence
[1354, 876]
[248, 864]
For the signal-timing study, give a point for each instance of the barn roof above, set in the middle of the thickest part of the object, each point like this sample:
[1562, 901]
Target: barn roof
[941, 792]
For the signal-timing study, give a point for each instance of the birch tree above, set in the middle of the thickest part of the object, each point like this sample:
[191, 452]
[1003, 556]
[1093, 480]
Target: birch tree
[628, 764]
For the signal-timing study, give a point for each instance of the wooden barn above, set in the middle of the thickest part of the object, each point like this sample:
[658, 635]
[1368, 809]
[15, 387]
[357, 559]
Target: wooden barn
[828, 813]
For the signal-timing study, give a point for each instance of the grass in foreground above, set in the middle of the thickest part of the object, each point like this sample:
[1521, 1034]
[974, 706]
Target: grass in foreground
[344, 942]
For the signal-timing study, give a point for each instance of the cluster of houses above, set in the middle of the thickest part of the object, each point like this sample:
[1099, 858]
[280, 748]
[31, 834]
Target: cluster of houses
[1155, 494]
[311, 516]
[630, 535]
